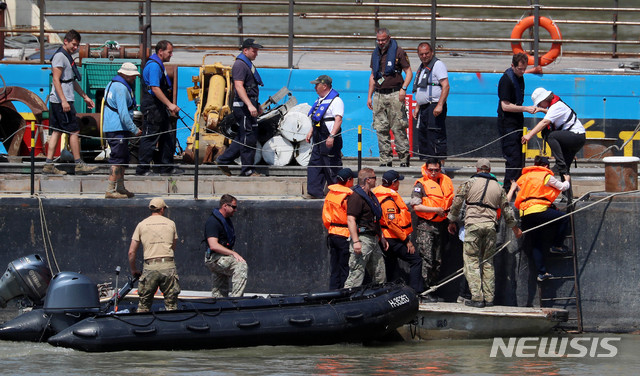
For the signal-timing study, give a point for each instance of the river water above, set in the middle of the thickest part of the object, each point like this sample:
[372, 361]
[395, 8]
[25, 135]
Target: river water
[442, 357]
[351, 29]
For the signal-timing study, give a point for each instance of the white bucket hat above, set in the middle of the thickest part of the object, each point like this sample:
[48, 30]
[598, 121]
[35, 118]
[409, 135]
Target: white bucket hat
[129, 69]
[539, 95]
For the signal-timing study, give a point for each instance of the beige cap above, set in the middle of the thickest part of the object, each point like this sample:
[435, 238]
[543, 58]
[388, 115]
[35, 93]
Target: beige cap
[129, 69]
[483, 163]
[157, 203]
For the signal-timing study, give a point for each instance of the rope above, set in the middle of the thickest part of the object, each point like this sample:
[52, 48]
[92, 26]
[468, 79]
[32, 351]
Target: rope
[616, 146]
[94, 137]
[46, 239]
[460, 272]
[110, 44]
[292, 149]
[459, 154]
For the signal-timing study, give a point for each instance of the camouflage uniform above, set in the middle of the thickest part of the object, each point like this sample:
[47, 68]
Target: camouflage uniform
[431, 235]
[226, 269]
[389, 114]
[480, 244]
[431, 239]
[483, 196]
[154, 275]
[371, 259]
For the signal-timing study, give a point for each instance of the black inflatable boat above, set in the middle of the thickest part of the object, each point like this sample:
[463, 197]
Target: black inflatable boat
[73, 317]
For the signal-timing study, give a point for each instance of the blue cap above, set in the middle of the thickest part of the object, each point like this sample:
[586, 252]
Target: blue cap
[391, 177]
[345, 174]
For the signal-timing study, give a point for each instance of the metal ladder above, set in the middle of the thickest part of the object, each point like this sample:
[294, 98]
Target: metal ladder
[573, 297]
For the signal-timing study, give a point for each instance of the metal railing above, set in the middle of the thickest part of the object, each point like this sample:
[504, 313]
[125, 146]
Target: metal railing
[342, 25]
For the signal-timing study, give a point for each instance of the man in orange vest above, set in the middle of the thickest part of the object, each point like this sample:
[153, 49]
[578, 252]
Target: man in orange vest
[485, 200]
[431, 199]
[396, 228]
[334, 218]
[538, 190]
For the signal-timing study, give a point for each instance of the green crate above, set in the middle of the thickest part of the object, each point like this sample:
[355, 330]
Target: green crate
[96, 75]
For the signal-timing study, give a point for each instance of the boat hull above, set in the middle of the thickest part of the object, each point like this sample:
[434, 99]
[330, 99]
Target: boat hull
[313, 319]
[457, 321]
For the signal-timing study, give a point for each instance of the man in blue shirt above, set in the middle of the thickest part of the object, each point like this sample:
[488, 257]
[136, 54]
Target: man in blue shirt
[119, 104]
[157, 107]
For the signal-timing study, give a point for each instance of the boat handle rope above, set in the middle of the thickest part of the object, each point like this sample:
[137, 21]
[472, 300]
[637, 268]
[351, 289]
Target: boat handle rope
[44, 330]
[214, 314]
[120, 318]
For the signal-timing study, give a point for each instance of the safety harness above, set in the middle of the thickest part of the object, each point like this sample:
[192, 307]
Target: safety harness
[390, 66]
[129, 89]
[76, 72]
[516, 84]
[481, 202]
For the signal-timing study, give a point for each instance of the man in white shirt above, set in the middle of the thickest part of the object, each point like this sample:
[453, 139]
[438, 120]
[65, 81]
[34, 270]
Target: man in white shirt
[431, 88]
[326, 119]
[560, 127]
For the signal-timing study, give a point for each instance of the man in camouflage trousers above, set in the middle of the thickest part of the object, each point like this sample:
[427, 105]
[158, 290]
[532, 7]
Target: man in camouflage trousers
[158, 236]
[386, 97]
[226, 265]
[486, 201]
[363, 220]
[431, 199]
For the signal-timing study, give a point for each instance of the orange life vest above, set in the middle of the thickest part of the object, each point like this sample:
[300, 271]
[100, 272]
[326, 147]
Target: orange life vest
[436, 194]
[334, 210]
[533, 190]
[396, 217]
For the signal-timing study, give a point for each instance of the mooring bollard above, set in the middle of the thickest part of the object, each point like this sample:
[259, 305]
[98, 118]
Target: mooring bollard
[620, 174]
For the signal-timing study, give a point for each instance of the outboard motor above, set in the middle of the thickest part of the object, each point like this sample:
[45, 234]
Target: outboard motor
[28, 276]
[71, 297]
[71, 292]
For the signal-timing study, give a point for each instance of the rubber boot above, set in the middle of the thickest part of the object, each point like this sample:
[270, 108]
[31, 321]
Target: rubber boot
[112, 193]
[122, 190]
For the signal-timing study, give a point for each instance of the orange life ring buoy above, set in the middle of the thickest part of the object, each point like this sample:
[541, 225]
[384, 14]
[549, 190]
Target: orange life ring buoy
[547, 24]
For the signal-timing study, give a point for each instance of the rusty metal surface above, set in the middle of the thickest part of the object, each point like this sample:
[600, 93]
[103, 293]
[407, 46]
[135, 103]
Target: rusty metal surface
[595, 147]
[621, 177]
[123, 52]
[12, 122]
[28, 97]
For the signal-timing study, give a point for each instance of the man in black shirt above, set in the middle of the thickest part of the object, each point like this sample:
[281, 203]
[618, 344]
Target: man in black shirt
[511, 118]
[220, 258]
[363, 220]
[246, 109]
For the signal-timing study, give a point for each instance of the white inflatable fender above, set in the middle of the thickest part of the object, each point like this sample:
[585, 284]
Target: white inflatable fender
[296, 123]
[303, 153]
[278, 151]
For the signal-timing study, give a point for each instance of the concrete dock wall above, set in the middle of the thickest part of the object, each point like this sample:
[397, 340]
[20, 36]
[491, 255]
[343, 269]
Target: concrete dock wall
[284, 243]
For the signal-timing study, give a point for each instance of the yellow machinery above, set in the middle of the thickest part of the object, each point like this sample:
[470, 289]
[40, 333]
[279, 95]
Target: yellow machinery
[213, 93]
